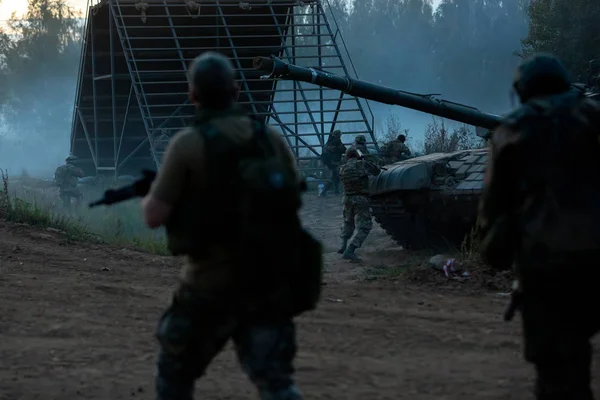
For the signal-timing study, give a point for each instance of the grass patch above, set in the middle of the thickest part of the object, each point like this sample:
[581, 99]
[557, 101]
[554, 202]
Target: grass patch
[40, 206]
[377, 272]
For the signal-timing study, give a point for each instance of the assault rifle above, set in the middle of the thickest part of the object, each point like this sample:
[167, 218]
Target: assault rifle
[362, 157]
[139, 188]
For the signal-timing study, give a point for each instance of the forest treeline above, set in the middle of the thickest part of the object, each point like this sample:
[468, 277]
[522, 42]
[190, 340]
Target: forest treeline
[465, 49]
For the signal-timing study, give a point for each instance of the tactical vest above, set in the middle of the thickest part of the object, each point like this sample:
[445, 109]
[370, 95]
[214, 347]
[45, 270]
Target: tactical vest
[354, 178]
[559, 145]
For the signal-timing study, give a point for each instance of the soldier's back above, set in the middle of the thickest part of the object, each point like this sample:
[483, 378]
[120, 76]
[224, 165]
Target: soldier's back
[557, 162]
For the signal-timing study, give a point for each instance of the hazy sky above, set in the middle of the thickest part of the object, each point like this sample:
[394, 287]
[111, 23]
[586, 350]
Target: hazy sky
[19, 6]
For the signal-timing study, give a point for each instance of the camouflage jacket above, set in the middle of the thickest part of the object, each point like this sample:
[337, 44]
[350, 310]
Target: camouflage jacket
[354, 175]
[334, 149]
[66, 176]
[541, 186]
[395, 151]
[361, 147]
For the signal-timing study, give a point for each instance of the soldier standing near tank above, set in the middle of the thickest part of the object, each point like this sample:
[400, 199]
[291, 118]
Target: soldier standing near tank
[357, 212]
[212, 303]
[540, 213]
[396, 150]
[66, 178]
[360, 144]
[332, 158]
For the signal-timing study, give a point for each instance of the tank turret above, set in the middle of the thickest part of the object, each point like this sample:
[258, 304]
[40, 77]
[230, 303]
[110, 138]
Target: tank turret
[423, 202]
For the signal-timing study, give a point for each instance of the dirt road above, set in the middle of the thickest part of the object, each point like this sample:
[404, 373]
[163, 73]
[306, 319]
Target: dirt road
[77, 322]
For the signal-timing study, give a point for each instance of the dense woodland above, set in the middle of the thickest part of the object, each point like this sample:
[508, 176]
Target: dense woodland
[465, 49]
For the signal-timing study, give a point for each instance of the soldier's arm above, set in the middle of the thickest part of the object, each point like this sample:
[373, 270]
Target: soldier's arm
[406, 150]
[497, 200]
[283, 149]
[166, 189]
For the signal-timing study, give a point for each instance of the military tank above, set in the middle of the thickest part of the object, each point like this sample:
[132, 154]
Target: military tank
[424, 202]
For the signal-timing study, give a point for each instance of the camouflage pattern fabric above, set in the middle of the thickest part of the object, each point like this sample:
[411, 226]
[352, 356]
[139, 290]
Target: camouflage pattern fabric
[540, 212]
[357, 219]
[395, 151]
[334, 149]
[362, 147]
[66, 178]
[195, 328]
[355, 176]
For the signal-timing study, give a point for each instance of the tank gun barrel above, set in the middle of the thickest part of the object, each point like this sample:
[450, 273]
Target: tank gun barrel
[278, 69]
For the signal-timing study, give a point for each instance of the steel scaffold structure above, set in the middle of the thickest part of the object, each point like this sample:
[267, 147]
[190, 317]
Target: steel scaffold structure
[132, 89]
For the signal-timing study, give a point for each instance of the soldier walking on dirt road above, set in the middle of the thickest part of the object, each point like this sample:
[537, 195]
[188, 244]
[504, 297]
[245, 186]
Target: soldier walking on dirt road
[357, 212]
[228, 194]
[540, 211]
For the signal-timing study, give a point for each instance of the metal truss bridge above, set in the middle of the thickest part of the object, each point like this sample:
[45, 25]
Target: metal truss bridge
[132, 90]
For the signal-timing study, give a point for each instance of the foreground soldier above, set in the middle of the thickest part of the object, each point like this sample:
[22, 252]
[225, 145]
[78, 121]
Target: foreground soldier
[357, 213]
[66, 178]
[215, 193]
[541, 211]
[332, 157]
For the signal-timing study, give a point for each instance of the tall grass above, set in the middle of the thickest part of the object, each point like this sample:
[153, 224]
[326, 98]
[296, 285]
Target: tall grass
[35, 203]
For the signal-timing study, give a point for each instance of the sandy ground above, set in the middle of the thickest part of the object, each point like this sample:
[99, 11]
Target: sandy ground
[77, 322]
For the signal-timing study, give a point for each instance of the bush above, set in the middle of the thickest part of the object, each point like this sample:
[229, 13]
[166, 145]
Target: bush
[439, 139]
[39, 206]
[393, 128]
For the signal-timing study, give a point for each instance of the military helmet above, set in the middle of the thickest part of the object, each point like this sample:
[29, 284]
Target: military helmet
[402, 138]
[539, 75]
[360, 139]
[336, 133]
[71, 158]
[352, 153]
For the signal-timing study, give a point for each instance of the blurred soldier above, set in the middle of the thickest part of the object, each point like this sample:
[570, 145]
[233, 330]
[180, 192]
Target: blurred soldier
[66, 178]
[332, 157]
[360, 144]
[357, 213]
[540, 211]
[396, 150]
[228, 193]
[594, 74]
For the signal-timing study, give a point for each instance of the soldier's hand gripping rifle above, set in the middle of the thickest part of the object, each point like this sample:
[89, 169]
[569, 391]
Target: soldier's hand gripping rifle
[372, 164]
[139, 188]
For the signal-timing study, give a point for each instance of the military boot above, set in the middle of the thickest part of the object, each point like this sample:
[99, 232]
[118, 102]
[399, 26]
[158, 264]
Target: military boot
[344, 245]
[349, 253]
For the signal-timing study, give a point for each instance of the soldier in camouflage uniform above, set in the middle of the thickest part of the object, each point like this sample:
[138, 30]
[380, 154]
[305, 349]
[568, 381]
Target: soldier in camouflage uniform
[396, 150]
[540, 213]
[360, 144]
[357, 213]
[332, 157]
[215, 302]
[66, 178]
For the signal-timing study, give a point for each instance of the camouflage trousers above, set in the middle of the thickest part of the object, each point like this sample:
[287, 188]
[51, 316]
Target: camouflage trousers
[71, 193]
[560, 318]
[192, 332]
[357, 219]
[335, 179]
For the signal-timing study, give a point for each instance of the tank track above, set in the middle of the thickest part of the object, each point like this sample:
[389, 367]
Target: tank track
[416, 221]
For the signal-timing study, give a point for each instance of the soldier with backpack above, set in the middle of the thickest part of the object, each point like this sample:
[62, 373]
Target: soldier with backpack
[540, 213]
[66, 178]
[332, 158]
[228, 193]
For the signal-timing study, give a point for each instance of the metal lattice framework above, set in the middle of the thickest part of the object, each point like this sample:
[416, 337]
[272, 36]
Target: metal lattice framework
[132, 91]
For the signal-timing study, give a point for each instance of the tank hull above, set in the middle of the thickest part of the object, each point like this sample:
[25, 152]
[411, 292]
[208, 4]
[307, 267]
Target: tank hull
[430, 201]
